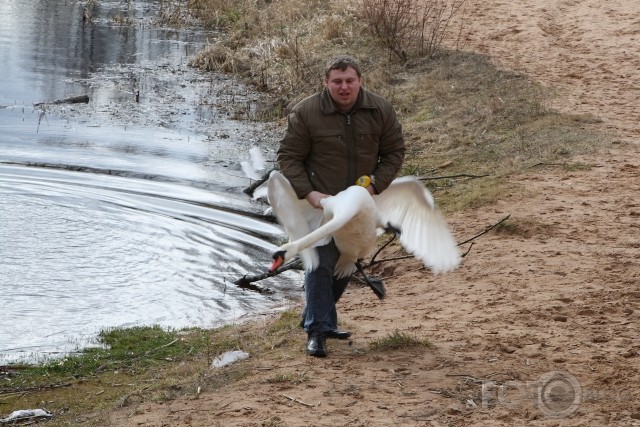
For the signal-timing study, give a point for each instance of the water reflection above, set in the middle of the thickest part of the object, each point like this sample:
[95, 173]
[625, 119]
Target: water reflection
[118, 212]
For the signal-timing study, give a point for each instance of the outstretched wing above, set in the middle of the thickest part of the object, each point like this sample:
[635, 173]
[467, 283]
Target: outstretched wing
[409, 206]
[252, 168]
[297, 216]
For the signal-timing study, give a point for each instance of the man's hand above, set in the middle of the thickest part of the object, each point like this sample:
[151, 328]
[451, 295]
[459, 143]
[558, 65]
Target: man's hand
[314, 198]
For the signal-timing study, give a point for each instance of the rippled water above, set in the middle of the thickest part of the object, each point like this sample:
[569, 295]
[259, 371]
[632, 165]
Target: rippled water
[117, 212]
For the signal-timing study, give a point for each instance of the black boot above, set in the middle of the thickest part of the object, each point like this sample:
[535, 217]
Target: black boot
[338, 334]
[317, 344]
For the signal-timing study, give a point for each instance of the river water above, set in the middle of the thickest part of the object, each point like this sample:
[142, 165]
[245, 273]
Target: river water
[119, 212]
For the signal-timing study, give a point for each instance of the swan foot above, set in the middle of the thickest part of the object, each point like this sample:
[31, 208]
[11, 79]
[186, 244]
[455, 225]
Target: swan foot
[392, 230]
[376, 285]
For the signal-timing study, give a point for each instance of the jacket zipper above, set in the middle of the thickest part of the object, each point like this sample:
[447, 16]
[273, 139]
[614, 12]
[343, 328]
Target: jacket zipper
[352, 152]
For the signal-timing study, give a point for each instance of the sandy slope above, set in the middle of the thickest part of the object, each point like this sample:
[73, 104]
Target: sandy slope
[559, 293]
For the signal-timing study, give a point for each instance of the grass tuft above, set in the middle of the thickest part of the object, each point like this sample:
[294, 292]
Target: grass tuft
[289, 378]
[398, 341]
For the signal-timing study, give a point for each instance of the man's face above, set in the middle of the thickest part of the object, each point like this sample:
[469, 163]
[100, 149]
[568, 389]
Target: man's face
[343, 87]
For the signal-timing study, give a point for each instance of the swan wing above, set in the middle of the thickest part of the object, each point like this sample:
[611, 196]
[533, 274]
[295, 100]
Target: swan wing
[408, 205]
[257, 159]
[257, 163]
[249, 170]
[297, 216]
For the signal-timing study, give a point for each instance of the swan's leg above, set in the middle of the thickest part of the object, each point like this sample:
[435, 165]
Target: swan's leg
[376, 285]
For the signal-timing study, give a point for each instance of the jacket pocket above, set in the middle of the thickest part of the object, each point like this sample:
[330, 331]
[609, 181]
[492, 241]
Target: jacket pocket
[368, 143]
[327, 138]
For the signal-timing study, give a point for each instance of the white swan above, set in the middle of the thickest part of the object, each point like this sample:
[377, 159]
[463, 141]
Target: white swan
[354, 219]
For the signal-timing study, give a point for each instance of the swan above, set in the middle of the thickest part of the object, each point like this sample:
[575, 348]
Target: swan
[354, 219]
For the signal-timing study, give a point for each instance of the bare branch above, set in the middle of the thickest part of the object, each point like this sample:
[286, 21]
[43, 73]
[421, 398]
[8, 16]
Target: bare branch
[246, 281]
[250, 189]
[486, 230]
[460, 175]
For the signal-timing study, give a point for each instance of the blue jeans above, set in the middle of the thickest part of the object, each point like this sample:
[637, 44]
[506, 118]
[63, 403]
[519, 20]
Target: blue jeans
[323, 291]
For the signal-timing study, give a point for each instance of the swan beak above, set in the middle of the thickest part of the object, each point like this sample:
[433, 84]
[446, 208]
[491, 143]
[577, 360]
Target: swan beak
[278, 260]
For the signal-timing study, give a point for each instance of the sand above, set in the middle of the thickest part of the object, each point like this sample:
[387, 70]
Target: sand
[540, 324]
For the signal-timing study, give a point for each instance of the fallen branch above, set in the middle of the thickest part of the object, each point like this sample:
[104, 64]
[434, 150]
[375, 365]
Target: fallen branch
[246, 281]
[6, 392]
[468, 250]
[162, 346]
[486, 230]
[546, 164]
[299, 401]
[460, 175]
[81, 99]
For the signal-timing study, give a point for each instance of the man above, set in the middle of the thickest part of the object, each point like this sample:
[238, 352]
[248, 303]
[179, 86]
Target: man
[332, 138]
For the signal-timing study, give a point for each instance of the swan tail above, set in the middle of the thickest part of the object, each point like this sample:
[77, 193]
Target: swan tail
[344, 268]
[309, 259]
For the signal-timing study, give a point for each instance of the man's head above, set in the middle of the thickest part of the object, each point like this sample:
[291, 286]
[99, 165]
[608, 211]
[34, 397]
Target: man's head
[342, 79]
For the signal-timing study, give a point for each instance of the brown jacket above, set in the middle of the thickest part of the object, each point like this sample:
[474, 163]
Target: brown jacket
[325, 150]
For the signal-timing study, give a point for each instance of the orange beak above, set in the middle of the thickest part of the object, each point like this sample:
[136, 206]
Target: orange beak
[278, 260]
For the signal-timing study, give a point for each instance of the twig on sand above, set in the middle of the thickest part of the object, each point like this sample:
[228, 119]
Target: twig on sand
[299, 401]
[460, 175]
[486, 230]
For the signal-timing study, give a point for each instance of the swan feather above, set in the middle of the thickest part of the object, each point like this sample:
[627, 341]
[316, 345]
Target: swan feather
[297, 216]
[409, 206]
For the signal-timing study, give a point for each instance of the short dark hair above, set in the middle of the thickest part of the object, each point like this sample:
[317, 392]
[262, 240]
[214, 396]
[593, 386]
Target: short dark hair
[341, 63]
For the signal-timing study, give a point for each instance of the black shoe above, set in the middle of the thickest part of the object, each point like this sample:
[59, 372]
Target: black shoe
[317, 345]
[337, 334]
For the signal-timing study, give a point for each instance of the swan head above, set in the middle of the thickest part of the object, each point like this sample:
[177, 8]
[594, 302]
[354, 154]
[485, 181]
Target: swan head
[279, 258]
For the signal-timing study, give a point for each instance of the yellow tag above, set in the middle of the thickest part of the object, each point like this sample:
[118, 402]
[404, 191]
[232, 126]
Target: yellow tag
[363, 181]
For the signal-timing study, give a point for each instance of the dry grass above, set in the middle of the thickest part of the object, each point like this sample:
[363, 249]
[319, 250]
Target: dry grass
[457, 109]
[398, 340]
